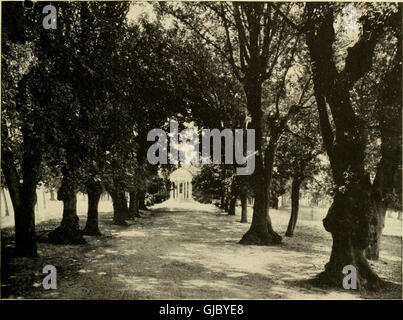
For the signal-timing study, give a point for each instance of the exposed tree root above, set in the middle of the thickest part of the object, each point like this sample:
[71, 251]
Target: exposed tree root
[67, 233]
[260, 238]
[91, 229]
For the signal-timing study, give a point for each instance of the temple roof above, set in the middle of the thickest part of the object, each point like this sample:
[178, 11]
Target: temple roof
[181, 174]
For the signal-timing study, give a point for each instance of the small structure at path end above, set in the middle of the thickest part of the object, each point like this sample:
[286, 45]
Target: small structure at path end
[181, 184]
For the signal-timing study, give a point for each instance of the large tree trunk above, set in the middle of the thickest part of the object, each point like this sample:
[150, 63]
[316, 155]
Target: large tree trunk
[120, 209]
[94, 191]
[261, 231]
[24, 217]
[348, 222]
[69, 230]
[350, 216]
[348, 219]
[23, 198]
[295, 187]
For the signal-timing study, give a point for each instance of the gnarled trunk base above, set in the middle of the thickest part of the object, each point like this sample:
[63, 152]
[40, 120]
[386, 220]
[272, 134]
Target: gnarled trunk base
[261, 232]
[348, 221]
[120, 210]
[260, 237]
[344, 254]
[69, 230]
[67, 233]
[91, 228]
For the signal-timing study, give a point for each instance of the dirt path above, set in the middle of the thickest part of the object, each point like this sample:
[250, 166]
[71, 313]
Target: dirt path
[189, 255]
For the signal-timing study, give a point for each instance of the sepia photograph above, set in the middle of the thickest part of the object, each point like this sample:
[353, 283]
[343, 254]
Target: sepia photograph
[201, 150]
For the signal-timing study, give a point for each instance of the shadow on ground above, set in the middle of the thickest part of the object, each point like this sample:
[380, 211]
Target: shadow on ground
[186, 255]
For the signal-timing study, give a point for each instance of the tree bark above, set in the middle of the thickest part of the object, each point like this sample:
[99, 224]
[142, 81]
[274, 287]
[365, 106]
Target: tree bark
[350, 215]
[232, 205]
[376, 225]
[94, 191]
[244, 208]
[23, 198]
[142, 201]
[120, 210]
[133, 206]
[347, 221]
[25, 244]
[387, 176]
[261, 231]
[69, 230]
[295, 187]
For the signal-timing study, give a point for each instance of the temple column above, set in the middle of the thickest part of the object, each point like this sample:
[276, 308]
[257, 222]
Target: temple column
[171, 193]
[183, 190]
[190, 190]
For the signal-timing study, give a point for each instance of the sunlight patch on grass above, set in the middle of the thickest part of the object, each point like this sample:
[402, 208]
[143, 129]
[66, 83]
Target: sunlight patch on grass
[139, 283]
[235, 274]
[84, 271]
[199, 283]
[131, 233]
[110, 251]
[385, 256]
[192, 205]
[167, 234]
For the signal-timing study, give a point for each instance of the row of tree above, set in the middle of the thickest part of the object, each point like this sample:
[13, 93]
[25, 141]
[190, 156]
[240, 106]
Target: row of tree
[288, 57]
[79, 101]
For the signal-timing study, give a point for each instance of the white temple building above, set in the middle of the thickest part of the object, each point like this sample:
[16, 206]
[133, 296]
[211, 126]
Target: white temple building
[181, 184]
